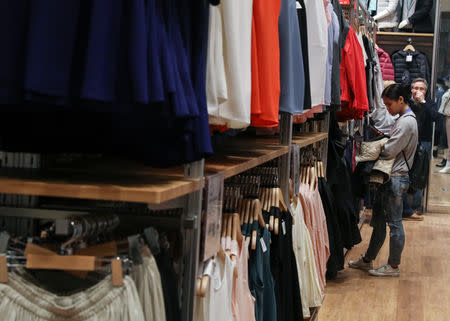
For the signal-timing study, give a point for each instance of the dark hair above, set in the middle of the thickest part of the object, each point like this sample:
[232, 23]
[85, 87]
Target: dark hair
[395, 91]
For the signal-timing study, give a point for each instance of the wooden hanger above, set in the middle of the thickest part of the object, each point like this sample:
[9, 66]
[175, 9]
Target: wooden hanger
[409, 46]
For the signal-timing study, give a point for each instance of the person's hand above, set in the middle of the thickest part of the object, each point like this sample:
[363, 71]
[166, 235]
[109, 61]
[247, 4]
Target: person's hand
[403, 24]
[419, 96]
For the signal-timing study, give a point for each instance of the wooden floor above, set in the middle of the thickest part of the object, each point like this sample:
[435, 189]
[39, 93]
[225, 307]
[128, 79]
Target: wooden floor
[439, 194]
[422, 292]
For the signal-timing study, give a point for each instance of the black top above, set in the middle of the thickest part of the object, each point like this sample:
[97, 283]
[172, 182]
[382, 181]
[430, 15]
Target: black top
[426, 114]
[302, 22]
[336, 260]
[421, 19]
[284, 271]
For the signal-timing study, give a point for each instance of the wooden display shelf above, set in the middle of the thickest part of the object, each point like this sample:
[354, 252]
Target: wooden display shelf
[410, 34]
[119, 180]
[244, 154]
[308, 138]
[146, 186]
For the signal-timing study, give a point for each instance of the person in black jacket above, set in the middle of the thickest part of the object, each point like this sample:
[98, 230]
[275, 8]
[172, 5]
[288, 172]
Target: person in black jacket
[421, 19]
[426, 114]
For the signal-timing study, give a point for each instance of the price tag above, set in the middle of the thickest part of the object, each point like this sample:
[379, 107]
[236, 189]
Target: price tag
[408, 58]
[298, 5]
[263, 245]
[283, 226]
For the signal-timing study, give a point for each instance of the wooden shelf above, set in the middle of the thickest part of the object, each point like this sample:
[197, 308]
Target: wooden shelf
[308, 138]
[119, 180]
[145, 185]
[244, 154]
[410, 34]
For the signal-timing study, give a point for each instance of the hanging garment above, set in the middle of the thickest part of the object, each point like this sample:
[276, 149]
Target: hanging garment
[229, 64]
[335, 94]
[217, 302]
[386, 16]
[333, 41]
[50, 47]
[124, 83]
[353, 80]
[303, 25]
[317, 49]
[22, 300]
[265, 97]
[284, 270]
[169, 285]
[336, 261]
[387, 69]
[421, 19]
[148, 284]
[409, 65]
[444, 108]
[292, 74]
[315, 220]
[261, 280]
[303, 249]
[339, 180]
[370, 63]
[243, 303]
[408, 7]
[13, 28]
[383, 120]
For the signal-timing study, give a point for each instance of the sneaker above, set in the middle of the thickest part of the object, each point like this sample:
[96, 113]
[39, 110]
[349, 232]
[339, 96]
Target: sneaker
[443, 163]
[385, 270]
[360, 264]
[445, 170]
[414, 217]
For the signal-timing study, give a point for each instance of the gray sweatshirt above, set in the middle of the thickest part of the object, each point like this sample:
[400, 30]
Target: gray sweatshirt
[404, 137]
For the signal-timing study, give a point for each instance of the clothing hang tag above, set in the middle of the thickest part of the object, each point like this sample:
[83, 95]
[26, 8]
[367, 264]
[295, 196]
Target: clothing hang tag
[263, 245]
[4, 241]
[216, 276]
[408, 58]
[298, 5]
[283, 226]
[61, 227]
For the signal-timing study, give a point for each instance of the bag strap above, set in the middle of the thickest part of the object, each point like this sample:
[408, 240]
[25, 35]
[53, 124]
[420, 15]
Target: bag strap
[404, 156]
[407, 165]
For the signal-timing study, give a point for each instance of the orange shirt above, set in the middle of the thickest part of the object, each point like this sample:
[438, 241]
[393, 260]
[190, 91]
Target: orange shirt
[265, 63]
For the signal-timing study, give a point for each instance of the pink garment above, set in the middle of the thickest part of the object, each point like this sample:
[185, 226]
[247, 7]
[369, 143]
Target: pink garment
[242, 302]
[327, 12]
[387, 69]
[316, 223]
[225, 242]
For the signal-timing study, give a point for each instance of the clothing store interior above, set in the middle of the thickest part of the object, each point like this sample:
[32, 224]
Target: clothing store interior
[135, 187]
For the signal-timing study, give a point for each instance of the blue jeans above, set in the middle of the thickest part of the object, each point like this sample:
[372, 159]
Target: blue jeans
[412, 202]
[388, 208]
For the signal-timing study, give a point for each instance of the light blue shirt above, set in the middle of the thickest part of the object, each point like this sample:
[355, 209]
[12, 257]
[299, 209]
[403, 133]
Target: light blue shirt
[292, 73]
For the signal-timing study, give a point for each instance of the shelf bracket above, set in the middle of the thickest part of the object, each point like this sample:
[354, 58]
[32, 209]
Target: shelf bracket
[286, 121]
[191, 230]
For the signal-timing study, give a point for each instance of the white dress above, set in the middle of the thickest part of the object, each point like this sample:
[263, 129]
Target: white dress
[317, 49]
[310, 292]
[228, 68]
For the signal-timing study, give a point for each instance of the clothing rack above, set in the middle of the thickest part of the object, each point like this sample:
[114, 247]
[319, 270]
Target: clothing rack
[124, 181]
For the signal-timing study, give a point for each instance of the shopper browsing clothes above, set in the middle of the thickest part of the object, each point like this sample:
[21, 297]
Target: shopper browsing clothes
[444, 109]
[426, 113]
[388, 204]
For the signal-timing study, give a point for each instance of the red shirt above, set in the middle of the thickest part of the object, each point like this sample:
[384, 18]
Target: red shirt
[353, 80]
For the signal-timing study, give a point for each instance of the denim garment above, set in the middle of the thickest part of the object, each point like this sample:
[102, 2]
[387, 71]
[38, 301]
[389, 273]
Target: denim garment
[388, 208]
